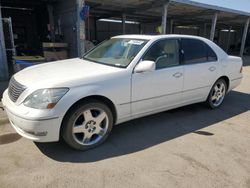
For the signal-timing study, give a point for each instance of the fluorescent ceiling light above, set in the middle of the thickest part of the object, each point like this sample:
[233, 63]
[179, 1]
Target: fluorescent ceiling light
[15, 8]
[118, 21]
[227, 30]
[187, 27]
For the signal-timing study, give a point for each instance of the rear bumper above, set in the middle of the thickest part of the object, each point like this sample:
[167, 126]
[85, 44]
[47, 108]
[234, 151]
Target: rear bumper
[37, 128]
[234, 83]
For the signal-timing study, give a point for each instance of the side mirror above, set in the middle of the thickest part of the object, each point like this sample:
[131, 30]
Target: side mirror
[145, 66]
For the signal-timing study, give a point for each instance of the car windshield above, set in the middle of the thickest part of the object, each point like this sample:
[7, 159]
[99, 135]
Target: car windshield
[116, 51]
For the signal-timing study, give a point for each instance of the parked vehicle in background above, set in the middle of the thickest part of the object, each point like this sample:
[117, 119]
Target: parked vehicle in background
[123, 78]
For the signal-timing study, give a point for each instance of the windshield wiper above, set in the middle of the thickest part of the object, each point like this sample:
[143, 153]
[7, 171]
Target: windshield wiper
[113, 65]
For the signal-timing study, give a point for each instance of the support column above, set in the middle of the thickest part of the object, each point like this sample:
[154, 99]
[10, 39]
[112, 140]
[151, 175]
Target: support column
[171, 26]
[4, 73]
[229, 38]
[243, 42]
[95, 29]
[205, 30]
[140, 28]
[164, 17]
[214, 21]
[218, 37]
[51, 22]
[80, 25]
[123, 23]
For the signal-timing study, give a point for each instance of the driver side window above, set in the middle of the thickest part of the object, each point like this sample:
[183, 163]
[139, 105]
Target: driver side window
[164, 53]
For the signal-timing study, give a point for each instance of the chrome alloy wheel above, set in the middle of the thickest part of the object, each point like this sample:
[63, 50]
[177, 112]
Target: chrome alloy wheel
[90, 126]
[218, 93]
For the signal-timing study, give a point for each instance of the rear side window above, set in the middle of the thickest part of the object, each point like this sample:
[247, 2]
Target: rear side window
[211, 56]
[196, 51]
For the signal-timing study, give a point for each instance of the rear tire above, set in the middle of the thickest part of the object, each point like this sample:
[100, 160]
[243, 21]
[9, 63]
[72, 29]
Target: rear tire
[217, 94]
[87, 125]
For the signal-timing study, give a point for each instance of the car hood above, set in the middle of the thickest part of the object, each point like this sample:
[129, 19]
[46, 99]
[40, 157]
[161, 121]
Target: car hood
[65, 73]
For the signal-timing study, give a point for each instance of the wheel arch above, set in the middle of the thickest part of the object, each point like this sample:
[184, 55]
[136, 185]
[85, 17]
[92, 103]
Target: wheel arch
[226, 79]
[99, 98]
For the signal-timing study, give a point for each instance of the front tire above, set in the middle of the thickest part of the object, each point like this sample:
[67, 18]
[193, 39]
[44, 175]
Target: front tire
[87, 125]
[217, 94]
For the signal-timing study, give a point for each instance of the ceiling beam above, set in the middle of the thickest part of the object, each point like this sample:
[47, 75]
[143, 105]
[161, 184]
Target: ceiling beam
[18, 3]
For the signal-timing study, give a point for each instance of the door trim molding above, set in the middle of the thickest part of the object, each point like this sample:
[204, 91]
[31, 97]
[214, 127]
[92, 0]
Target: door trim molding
[164, 95]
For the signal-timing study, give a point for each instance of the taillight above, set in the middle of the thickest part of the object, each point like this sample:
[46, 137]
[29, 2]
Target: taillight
[241, 69]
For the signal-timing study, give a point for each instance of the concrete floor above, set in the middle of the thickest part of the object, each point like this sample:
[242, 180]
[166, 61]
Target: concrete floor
[187, 147]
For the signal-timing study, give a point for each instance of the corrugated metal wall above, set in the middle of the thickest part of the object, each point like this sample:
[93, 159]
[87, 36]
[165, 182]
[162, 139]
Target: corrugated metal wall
[3, 60]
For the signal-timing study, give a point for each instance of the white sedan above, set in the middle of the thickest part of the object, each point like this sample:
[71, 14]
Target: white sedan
[123, 78]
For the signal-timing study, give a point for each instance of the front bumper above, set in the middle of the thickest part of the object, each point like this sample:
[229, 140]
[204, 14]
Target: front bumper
[39, 129]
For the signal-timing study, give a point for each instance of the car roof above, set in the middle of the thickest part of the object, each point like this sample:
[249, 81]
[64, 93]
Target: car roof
[158, 36]
[220, 53]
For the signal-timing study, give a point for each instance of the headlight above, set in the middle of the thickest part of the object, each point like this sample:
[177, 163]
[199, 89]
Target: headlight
[45, 98]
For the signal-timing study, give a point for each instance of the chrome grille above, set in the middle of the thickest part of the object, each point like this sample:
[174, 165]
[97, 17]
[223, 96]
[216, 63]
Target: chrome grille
[15, 89]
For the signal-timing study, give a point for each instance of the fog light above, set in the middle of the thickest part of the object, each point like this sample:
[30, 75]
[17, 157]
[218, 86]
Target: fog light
[44, 133]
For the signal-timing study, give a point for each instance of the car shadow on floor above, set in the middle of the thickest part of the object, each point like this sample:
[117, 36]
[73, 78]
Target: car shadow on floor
[143, 133]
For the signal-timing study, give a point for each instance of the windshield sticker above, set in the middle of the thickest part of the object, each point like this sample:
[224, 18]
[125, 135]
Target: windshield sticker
[136, 42]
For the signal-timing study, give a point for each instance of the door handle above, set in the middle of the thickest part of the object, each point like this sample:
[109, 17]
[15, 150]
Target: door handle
[212, 68]
[177, 74]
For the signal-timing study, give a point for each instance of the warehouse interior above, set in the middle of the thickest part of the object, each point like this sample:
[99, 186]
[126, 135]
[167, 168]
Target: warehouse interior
[35, 25]
[181, 19]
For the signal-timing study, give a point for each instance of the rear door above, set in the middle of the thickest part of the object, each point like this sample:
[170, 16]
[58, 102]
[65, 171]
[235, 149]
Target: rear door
[200, 69]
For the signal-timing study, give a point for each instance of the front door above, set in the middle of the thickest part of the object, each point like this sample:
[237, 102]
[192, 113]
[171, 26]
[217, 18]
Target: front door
[160, 89]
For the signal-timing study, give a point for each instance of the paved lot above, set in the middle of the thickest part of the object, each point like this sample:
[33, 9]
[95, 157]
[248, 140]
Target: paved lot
[187, 147]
